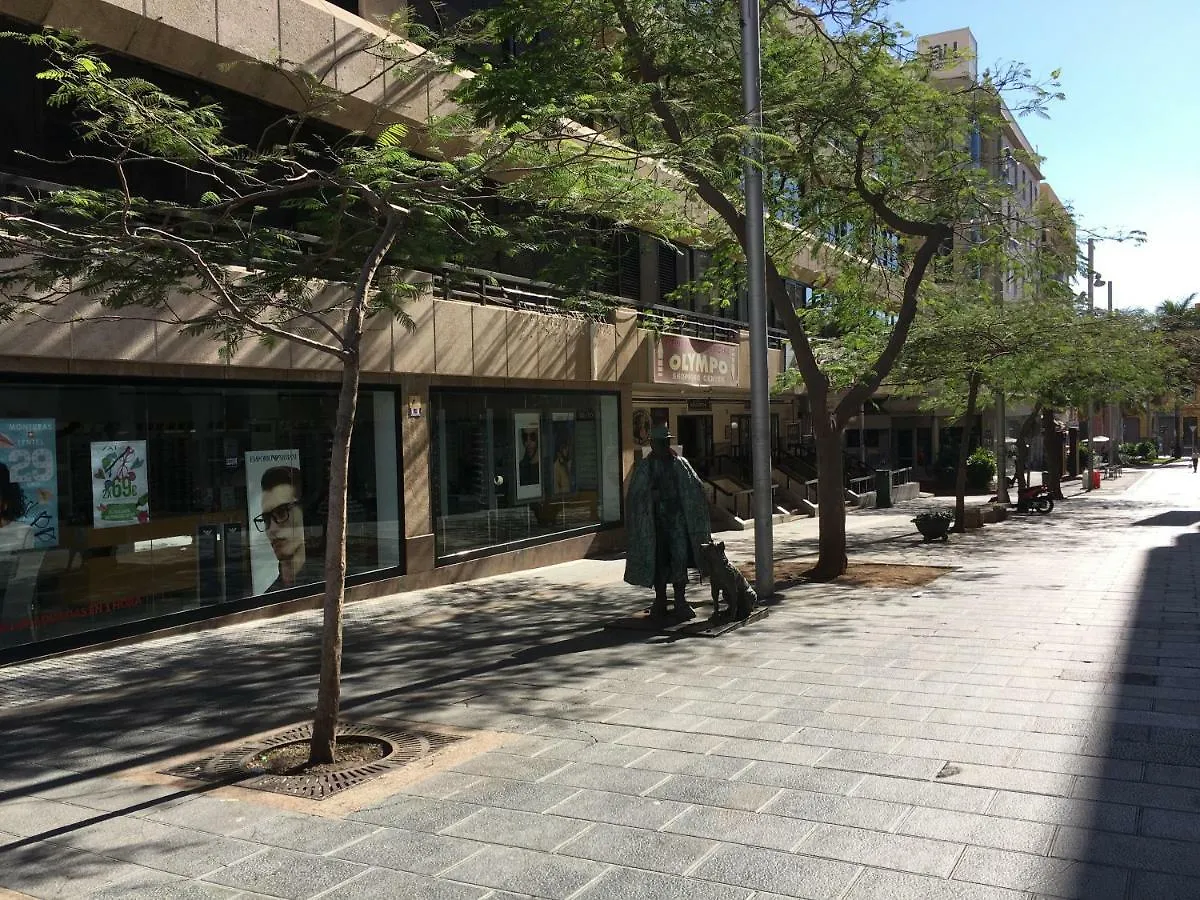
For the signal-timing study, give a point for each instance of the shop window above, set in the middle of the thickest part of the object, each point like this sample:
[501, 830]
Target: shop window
[511, 468]
[128, 502]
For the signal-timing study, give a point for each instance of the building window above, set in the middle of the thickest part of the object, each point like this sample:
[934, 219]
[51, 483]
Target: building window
[511, 468]
[131, 502]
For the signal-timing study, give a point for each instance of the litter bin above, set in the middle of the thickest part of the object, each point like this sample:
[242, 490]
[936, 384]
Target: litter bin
[1095, 479]
[883, 488]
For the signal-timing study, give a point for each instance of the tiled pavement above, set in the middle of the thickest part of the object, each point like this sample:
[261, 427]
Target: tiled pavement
[1025, 726]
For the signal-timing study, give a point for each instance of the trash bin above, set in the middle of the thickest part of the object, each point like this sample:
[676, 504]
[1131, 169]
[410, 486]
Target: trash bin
[1095, 479]
[883, 488]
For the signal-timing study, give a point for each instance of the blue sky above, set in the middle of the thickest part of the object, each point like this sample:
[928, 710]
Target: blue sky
[1123, 148]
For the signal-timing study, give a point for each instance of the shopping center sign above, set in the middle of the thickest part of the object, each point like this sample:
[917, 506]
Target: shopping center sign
[682, 360]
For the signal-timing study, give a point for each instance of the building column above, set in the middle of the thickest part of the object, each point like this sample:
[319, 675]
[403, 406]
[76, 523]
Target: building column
[419, 547]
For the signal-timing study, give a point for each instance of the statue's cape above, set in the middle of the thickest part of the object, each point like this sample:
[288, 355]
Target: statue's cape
[692, 523]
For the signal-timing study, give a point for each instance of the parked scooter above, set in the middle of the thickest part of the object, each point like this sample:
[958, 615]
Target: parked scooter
[1035, 498]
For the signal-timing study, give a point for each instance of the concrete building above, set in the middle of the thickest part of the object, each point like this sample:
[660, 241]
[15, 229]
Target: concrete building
[455, 469]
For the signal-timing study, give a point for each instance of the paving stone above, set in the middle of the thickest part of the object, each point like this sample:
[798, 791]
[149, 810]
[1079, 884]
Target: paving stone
[935, 794]
[47, 870]
[408, 851]
[676, 762]
[670, 740]
[1051, 783]
[1039, 874]
[27, 816]
[180, 851]
[285, 873]
[827, 781]
[875, 884]
[385, 884]
[149, 884]
[656, 851]
[1171, 823]
[536, 797]
[509, 765]
[633, 884]
[781, 873]
[526, 871]
[306, 834]
[415, 813]
[606, 778]
[737, 827]
[620, 809]
[217, 815]
[1133, 851]
[874, 848]
[1064, 811]
[881, 764]
[714, 792]
[534, 831]
[979, 830]
[852, 811]
[1159, 886]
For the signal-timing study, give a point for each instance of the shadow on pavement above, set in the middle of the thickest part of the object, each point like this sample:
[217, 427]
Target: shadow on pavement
[1141, 839]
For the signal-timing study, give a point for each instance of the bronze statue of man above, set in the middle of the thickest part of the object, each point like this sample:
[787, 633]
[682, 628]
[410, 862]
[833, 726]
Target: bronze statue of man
[666, 521]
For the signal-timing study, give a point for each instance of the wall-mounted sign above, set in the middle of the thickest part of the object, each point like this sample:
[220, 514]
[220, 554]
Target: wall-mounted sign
[415, 407]
[683, 360]
[704, 405]
[120, 492]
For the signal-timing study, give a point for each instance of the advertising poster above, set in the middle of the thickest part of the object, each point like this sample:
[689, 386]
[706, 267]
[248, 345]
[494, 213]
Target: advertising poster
[28, 484]
[562, 446]
[527, 426]
[120, 491]
[279, 552]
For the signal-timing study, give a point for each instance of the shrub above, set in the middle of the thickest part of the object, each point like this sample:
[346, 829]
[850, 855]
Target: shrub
[981, 468]
[1128, 449]
[1148, 449]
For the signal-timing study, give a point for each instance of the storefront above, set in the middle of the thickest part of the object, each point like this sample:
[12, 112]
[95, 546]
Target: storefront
[514, 468]
[136, 501]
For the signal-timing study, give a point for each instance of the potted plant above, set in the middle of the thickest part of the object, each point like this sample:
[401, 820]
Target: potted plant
[934, 523]
[981, 469]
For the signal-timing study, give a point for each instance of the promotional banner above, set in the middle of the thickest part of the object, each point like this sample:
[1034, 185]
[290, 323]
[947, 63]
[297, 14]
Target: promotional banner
[529, 458]
[279, 552]
[120, 491]
[28, 484]
[562, 432]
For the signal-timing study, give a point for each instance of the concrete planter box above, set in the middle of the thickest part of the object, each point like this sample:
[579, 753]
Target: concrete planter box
[973, 517]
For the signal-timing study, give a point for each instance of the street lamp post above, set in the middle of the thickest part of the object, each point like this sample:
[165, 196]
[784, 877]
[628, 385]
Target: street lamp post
[1091, 294]
[760, 401]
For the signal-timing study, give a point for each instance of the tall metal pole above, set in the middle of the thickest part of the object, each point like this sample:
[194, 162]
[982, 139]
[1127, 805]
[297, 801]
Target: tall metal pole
[1091, 291]
[760, 401]
[1116, 429]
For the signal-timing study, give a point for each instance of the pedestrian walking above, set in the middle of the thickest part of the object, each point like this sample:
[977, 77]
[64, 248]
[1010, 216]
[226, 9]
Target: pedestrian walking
[1195, 459]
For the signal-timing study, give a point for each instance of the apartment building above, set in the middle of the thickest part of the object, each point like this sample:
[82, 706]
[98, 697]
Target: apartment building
[497, 436]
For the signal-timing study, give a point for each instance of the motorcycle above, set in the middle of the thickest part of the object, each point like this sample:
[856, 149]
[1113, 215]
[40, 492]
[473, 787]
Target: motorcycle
[1035, 498]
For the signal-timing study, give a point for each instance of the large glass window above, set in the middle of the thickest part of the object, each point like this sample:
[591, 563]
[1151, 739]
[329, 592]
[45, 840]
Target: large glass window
[124, 502]
[513, 467]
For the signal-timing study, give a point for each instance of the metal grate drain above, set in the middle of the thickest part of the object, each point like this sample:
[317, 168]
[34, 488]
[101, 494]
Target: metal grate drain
[240, 765]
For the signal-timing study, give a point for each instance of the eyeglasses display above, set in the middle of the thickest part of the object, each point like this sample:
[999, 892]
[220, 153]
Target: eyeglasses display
[279, 515]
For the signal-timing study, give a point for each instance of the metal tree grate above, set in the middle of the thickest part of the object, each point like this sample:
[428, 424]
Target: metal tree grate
[240, 765]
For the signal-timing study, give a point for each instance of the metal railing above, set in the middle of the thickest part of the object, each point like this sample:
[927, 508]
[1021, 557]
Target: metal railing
[735, 501]
[901, 476]
[862, 485]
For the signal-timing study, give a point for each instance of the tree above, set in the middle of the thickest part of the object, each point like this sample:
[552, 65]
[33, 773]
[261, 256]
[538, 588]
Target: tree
[1179, 322]
[867, 165]
[302, 238]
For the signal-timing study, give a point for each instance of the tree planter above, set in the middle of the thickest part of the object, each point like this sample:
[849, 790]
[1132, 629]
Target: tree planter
[934, 525]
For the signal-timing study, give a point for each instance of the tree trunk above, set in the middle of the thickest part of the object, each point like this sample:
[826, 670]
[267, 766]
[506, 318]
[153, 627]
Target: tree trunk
[1052, 440]
[1023, 437]
[1177, 451]
[831, 501]
[329, 693]
[964, 451]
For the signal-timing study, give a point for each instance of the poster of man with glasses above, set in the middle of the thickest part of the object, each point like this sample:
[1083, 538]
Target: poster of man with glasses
[279, 557]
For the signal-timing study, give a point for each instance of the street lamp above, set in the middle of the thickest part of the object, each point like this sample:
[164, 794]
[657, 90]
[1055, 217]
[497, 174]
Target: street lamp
[1113, 408]
[760, 401]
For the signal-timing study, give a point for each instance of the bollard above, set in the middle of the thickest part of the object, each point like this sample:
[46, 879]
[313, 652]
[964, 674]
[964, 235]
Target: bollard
[883, 488]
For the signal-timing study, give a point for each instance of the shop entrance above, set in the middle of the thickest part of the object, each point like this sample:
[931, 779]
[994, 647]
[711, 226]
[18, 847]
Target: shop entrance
[741, 435]
[696, 438]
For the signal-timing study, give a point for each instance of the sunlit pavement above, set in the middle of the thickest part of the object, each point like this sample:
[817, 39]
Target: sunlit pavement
[1024, 726]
